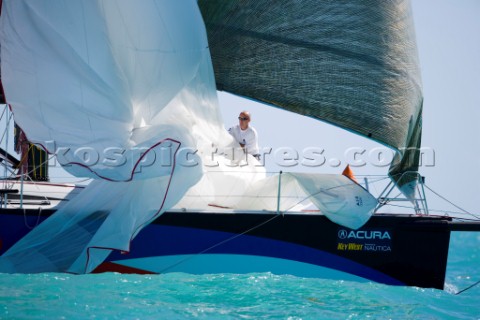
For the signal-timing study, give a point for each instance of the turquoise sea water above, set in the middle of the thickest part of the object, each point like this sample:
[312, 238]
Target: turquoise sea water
[250, 296]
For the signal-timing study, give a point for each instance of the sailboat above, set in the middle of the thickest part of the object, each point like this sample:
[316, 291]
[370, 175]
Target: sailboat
[125, 94]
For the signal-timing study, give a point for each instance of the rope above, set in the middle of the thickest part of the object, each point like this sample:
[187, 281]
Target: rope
[217, 244]
[461, 209]
[240, 234]
[3, 112]
[399, 206]
[25, 218]
[467, 288]
[5, 131]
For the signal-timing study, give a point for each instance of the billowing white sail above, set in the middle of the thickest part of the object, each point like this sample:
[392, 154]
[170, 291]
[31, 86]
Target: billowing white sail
[90, 80]
[121, 91]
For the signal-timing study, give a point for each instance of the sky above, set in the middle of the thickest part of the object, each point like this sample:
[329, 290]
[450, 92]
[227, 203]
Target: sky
[448, 41]
[449, 49]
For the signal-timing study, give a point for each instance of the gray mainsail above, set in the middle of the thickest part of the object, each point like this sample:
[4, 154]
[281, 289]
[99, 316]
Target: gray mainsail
[353, 64]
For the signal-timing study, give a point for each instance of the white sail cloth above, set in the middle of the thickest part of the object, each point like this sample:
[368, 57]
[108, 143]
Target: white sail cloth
[336, 196]
[89, 79]
[122, 91]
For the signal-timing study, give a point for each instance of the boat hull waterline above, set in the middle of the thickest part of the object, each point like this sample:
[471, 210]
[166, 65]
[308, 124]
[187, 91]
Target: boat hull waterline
[389, 249]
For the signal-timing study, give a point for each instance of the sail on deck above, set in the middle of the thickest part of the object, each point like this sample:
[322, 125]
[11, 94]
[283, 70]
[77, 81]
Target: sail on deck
[353, 64]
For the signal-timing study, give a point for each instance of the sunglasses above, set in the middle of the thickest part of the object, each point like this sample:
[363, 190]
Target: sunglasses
[243, 119]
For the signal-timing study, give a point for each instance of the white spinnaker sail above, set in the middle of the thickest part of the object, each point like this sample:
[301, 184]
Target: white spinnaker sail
[89, 79]
[124, 92]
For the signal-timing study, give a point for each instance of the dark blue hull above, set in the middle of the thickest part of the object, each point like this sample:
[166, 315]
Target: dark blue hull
[389, 249]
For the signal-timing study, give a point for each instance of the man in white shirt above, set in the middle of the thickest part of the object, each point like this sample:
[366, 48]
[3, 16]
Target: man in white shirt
[246, 135]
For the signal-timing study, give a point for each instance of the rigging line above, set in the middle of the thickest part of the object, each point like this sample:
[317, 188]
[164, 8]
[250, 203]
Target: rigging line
[398, 206]
[371, 181]
[373, 175]
[24, 156]
[374, 178]
[191, 256]
[467, 288]
[3, 112]
[461, 209]
[25, 219]
[387, 200]
[237, 235]
[5, 131]
[25, 159]
[451, 213]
